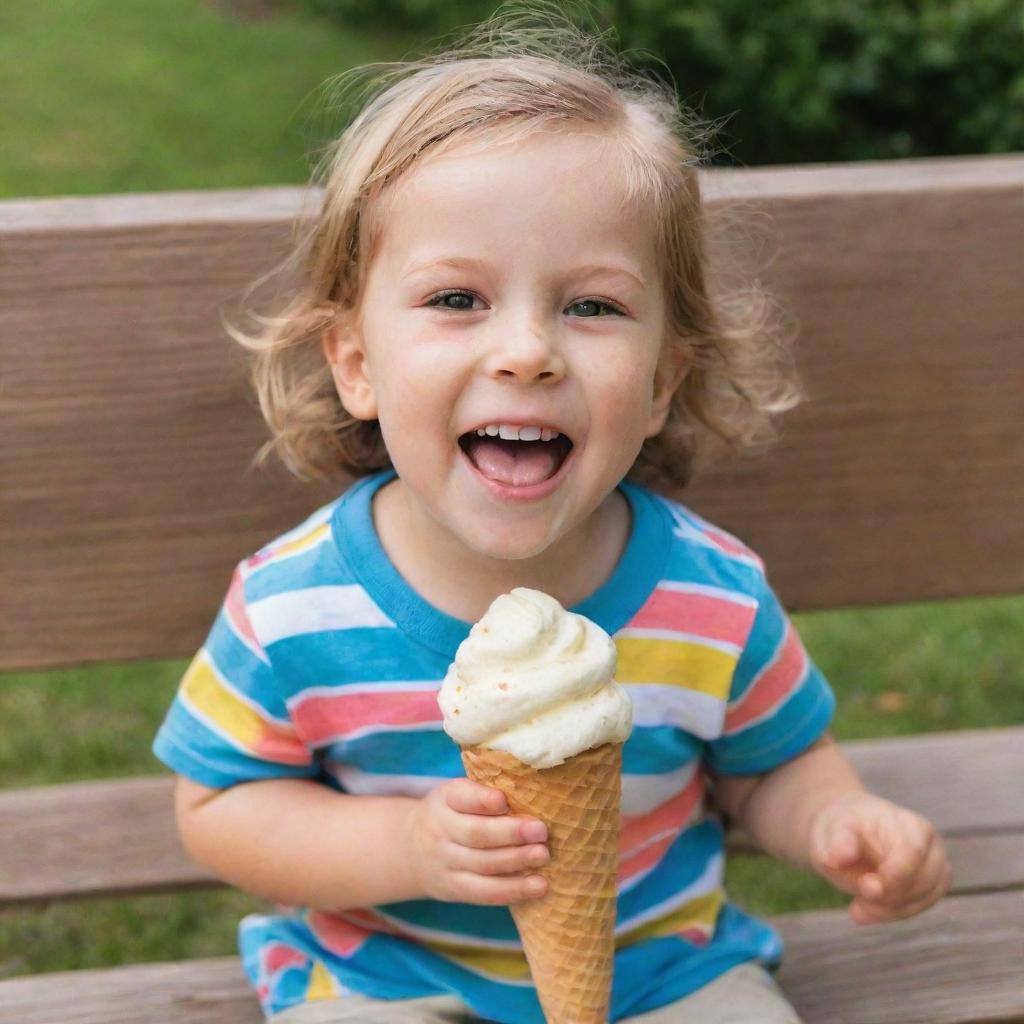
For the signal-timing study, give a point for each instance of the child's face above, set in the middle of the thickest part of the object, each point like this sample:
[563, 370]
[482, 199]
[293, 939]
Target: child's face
[525, 343]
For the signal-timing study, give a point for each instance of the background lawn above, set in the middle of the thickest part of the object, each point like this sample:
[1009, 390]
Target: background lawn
[106, 96]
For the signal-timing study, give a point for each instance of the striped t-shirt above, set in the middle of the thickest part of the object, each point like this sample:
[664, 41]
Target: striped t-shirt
[324, 664]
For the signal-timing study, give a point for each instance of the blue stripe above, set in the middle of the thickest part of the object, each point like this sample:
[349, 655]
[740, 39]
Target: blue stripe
[317, 567]
[683, 863]
[800, 720]
[365, 654]
[189, 748]
[242, 669]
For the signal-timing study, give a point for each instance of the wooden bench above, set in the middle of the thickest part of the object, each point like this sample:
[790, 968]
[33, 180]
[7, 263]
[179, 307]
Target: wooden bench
[128, 426]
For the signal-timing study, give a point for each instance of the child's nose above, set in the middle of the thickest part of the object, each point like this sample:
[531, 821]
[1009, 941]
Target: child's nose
[528, 355]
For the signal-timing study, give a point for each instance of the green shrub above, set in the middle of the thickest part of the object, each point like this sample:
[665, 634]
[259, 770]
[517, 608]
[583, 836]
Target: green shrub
[804, 80]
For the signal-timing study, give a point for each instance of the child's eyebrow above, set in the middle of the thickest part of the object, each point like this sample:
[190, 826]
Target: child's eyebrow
[469, 263]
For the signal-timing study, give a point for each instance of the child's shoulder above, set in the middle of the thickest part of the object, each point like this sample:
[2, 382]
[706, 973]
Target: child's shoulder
[301, 557]
[703, 552]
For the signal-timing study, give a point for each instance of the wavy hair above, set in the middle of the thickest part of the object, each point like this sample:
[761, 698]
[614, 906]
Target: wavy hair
[520, 71]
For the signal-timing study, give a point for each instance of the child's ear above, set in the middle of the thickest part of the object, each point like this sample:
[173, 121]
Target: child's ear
[343, 348]
[673, 365]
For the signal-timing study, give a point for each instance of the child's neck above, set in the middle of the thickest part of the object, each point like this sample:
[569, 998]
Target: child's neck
[463, 584]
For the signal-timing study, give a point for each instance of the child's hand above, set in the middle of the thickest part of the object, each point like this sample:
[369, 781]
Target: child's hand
[465, 848]
[891, 858]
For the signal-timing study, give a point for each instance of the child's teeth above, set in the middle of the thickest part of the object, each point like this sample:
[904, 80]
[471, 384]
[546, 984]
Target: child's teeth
[509, 433]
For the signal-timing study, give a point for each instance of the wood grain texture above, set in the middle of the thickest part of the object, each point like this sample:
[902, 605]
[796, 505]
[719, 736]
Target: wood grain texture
[129, 424]
[920, 971]
[119, 837]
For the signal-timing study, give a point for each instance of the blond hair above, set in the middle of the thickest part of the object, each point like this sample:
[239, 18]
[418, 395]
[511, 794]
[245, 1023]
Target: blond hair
[517, 72]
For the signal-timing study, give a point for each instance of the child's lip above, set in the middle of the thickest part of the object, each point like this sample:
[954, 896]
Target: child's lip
[533, 492]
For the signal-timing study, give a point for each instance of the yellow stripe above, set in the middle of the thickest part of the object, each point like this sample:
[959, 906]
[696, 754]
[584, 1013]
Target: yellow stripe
[511, 964]
[701, 912]
[306, 540]
[321, 984]
[675, 662]
[210, 697]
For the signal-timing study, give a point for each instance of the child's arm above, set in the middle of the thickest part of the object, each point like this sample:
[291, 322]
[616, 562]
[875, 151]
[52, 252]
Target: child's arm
[298, 842]
[814, 811]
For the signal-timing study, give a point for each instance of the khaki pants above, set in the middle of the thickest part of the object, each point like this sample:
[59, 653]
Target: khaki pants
[747, 994]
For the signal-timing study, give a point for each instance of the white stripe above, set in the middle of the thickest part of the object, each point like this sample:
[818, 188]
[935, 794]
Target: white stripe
[709, 880]
[689, 533]
[677, 635]
[313, 610]
[256, 651]
[735, 596]
[360, 783]
[378, 730]
[436, 935]
[663, 704]
[372, 686]
[642, 793]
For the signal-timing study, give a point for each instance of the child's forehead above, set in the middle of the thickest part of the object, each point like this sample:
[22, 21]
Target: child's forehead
[553, 190]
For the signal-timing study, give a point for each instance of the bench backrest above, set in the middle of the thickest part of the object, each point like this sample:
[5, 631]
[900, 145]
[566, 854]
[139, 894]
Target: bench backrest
[128, 421]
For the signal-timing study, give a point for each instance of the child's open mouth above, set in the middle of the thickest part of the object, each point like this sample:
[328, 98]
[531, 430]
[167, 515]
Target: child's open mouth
[515, 463]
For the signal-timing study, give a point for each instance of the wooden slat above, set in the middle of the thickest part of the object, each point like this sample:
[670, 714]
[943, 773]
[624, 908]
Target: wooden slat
[958, 963]
[128, 422]
[119, 837]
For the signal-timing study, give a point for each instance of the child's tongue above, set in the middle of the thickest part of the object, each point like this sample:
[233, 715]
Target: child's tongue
[518, 463]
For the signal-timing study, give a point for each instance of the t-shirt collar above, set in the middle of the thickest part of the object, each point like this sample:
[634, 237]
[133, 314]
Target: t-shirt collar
[611, 606]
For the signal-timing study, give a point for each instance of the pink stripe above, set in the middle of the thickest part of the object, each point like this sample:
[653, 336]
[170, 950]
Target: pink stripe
[277, 956]
[646, 858]
[237, 612]
[772, 687]
[323, 717]
[337, 935]
[282, 746]
[730, 545]
[672, 816]
[635, 830]
[716, 618]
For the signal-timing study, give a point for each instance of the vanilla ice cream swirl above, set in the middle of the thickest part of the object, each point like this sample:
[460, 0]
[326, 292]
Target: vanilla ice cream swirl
[535, 681]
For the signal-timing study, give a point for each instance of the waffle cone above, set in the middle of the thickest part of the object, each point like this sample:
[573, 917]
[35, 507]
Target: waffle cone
[568, 933]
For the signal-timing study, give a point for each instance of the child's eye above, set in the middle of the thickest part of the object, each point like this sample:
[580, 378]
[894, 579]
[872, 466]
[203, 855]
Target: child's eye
[438, 301]
[596, 302]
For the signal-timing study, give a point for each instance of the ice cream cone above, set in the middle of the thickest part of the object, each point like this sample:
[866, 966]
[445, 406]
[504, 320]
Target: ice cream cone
[568, 933]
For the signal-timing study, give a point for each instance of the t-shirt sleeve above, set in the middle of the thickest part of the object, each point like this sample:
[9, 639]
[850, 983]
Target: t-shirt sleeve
[779, 701]
[228, 722]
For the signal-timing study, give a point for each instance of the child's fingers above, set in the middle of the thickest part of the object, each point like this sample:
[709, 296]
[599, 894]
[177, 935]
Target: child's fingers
[474, 888]
[469, 797]
[503, 860]
[486, 832]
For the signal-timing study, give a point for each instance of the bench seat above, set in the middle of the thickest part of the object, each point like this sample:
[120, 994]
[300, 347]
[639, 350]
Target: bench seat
[957, 963]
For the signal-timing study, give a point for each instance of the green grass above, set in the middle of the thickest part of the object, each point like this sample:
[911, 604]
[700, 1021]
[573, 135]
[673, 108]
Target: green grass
[908, 669]
[105, 96]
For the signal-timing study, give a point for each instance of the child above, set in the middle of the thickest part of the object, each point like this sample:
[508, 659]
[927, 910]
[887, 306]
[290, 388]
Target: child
[506, 332]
